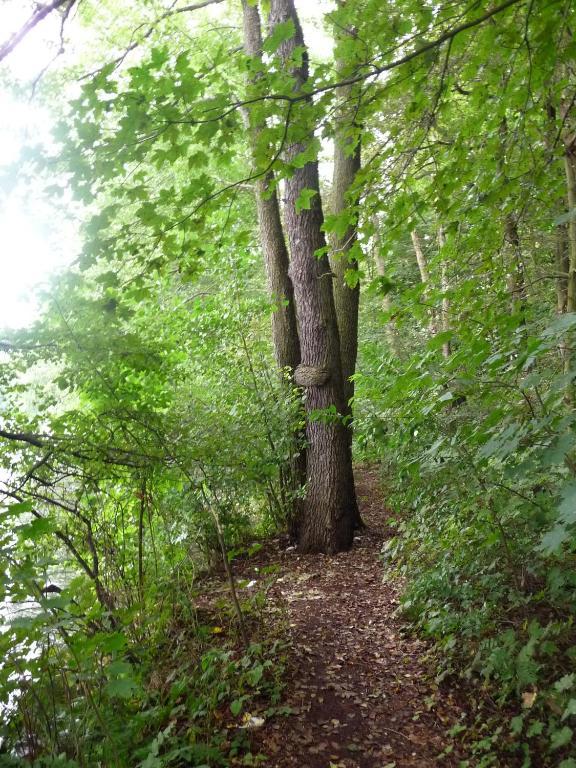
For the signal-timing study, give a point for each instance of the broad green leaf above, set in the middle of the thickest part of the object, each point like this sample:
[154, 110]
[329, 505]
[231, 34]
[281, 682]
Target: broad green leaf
[561, 737]
[570, 709]
[552, 541]
[565, 683]
[304, 201]
[281, 32]
[121, 688]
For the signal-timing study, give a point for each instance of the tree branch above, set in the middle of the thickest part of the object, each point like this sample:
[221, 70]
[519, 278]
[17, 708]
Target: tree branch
[24, 437]
[166, 15]
[39, 14]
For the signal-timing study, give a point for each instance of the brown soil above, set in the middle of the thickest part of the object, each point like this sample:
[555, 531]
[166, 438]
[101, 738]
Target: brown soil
[362, 692]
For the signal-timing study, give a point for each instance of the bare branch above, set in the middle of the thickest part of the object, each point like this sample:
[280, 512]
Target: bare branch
[39, 14]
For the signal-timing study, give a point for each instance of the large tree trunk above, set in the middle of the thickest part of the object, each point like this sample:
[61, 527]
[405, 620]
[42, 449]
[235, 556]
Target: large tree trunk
[329, 507]
[347, 160]
[284, 327]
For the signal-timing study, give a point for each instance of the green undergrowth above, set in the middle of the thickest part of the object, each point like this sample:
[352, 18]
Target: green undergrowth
[478, 456]
[175, 686]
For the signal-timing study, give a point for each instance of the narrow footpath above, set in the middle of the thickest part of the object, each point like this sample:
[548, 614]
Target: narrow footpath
[362, 692]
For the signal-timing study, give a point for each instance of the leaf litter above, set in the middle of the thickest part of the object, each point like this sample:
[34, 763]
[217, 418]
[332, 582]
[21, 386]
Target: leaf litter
[359, 688]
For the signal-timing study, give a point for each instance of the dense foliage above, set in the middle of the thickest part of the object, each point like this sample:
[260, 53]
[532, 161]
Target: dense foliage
[148, 436]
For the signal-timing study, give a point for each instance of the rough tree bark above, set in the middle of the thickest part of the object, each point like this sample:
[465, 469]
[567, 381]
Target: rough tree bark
[329, 509]
[285, 337]
[347, 159]
[284, 328]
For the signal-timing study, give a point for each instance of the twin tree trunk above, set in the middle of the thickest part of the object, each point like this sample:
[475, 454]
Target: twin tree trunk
[329, 509]
[284, 329]
[285, 337]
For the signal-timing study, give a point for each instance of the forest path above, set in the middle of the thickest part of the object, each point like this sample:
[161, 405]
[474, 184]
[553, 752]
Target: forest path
[363, 695]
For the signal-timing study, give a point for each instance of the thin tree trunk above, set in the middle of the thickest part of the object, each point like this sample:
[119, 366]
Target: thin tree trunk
[142, 510]
[515, 271]
[329, 507]
[284, 328]
[347, 158]
[516, 275]
[390, 328]
[420, 258]
[561, 244]
[570, 168]
[562, 266]
[444, 285]
[425, 277]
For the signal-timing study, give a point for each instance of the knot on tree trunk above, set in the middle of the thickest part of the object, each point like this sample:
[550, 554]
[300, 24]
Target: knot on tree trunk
[311, 376]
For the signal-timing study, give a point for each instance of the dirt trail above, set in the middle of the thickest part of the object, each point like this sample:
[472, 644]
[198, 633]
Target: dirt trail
[362, 694]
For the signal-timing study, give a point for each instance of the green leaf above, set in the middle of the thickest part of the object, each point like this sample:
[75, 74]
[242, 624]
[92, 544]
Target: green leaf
[308, 155]
[19, 508]
[570, 709]
[561, 737]
[121, 688]
[236, 706]
[281, 32]
[115, 642]
[558, 328]
[255, 675]
[567, 509]
[304, 201]
[535, 729]
[35, 529]
[352, 278]
[516, 724]
[119, 667]
[565, 683]
[439, 339]
[553, 540]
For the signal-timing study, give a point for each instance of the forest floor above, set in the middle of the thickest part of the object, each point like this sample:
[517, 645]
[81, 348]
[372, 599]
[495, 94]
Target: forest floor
[360, 686]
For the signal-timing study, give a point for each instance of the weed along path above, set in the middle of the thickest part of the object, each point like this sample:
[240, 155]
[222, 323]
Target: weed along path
[360, 691]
